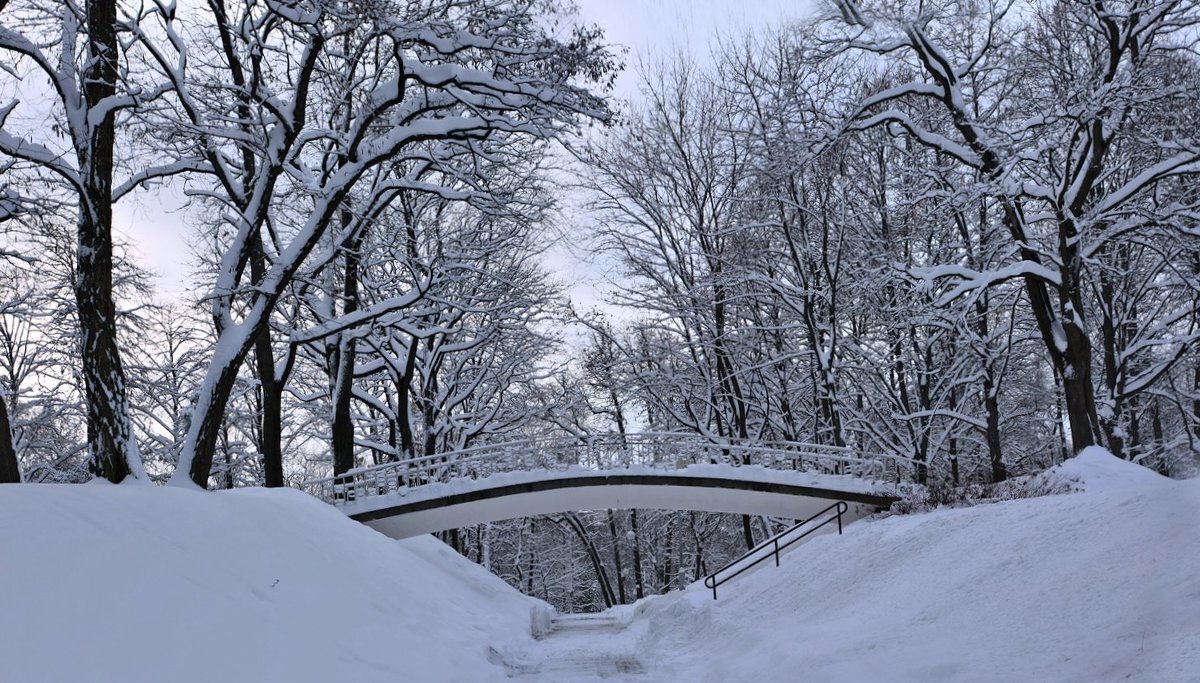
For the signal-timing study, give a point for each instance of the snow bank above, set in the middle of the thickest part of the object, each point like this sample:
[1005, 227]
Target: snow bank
[1076, 587]
[1095, 470]
[124, 583]
[104, 583]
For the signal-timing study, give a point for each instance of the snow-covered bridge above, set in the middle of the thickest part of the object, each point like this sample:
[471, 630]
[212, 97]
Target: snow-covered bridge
[661, 471]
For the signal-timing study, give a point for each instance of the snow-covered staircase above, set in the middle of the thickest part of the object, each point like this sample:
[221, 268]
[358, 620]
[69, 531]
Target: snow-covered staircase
[602, 621]
[578, 647]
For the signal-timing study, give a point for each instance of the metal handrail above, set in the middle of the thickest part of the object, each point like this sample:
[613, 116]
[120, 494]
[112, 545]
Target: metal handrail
[626, 441]
[711, 581]
[669, 450]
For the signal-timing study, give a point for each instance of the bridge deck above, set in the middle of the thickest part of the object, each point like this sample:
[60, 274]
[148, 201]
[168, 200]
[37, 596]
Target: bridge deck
[711, 488]
[664, 471]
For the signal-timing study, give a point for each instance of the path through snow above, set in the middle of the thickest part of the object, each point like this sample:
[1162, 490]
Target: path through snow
[1083, 587]
[579, 648]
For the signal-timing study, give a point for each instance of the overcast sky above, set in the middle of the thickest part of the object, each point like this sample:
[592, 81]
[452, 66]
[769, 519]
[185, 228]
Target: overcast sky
[158, 230]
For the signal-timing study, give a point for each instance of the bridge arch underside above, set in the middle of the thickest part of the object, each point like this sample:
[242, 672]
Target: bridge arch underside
[573, 494]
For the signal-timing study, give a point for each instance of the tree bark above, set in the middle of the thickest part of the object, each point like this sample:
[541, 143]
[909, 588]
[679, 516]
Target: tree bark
[637, 555]
[404, 400]
[343, 426]
[1196, 400]
[114, 452]
[10, 471]
[271, 427]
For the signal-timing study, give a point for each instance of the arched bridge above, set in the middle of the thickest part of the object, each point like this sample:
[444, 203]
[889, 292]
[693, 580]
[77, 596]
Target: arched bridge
[662, 471]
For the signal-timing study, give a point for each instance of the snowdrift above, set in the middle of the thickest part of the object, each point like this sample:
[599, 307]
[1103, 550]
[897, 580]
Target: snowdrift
[1092, 586]
[134, 583]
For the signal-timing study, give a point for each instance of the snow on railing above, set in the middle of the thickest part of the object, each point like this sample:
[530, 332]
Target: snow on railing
[655, 450]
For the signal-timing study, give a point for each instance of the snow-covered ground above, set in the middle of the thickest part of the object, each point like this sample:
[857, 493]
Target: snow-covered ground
[105, 583]
[128, 584]
[1100, 585]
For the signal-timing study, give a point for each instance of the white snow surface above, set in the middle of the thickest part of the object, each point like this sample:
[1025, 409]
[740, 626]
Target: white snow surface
[105, 583]
[1095, 470]
[1099, 585]
[134, 583]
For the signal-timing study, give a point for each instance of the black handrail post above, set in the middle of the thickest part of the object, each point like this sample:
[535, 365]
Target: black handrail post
[776, 551]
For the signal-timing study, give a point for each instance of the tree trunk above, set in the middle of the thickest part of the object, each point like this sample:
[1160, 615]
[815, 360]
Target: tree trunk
[404, 399]
[668, 575]
[343, 389]
[747, 532]
[271, 426]
[114, 452]
[10, 472]
[991, 389]
[210, 407]
[995, 452]
[637, 555]
[616, 541]
[1196, 401]
[606, 591]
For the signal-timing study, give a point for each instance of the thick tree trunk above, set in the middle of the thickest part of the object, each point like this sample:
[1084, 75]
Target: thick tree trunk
[114, 453]
[10, 471]
[272, 413]
[271, 426]
[343, 426]
[1061, 329]
[404, 401]
[210, 410]
[747, 532]
[1078, 390]
[1196, 401]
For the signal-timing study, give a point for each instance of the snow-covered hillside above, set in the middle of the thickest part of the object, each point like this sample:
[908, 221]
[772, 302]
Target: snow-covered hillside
[128, 583]
[1093, 586]
[136, 583]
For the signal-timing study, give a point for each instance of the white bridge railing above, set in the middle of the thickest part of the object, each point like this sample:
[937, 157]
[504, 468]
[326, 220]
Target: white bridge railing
[662, 451]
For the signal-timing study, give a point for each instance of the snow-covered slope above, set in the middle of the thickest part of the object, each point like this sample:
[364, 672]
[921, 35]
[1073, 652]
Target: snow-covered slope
[1102, 585]
[102, 583]
[132, 583]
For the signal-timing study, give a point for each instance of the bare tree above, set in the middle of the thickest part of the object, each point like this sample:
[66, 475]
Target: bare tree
[73, 53]
[1064, 206]
[410, 74]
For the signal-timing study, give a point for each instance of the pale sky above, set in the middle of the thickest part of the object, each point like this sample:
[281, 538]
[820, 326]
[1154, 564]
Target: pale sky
[157, 228]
